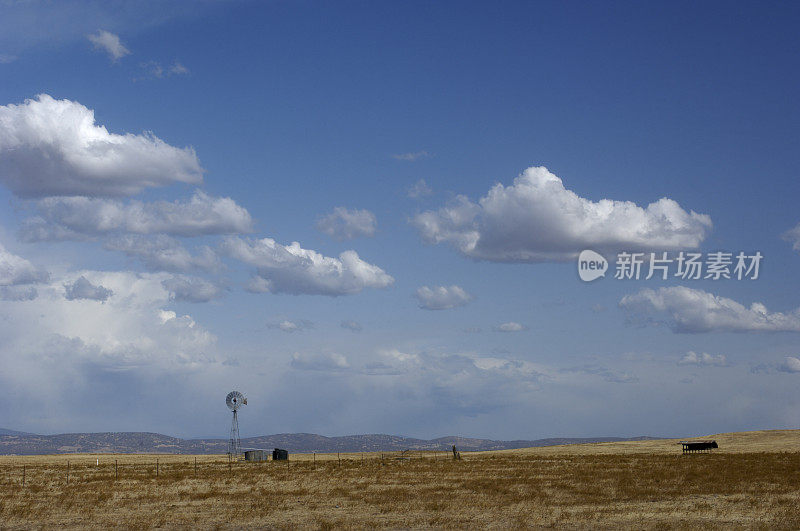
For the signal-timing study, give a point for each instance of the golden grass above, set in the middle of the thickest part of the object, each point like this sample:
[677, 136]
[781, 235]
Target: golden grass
[738, 442]
[734, 487]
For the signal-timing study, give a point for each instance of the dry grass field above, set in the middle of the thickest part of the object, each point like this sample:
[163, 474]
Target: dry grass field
[753, 480]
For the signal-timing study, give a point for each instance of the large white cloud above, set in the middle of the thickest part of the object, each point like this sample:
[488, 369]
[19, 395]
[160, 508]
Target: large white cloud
[64, 218]
[52, 147]
[123, 358]
[344, 224]
[292, 269]
[131, 327]
[537, 219]
[442, 297]
[687, 310]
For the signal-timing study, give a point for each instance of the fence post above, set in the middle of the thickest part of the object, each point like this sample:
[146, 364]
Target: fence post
[67, 472]
[115, 469]
[339, 458]
[195, 467]
[23, 475]
[315, 458]
[156, 466]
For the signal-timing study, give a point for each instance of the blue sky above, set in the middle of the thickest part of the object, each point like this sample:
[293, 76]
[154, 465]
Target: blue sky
[148, 268]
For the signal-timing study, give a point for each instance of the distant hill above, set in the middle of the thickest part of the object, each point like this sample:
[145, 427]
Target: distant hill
[13, 442]
[4, 431]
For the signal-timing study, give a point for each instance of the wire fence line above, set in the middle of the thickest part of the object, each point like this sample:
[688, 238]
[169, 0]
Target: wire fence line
[170, 467]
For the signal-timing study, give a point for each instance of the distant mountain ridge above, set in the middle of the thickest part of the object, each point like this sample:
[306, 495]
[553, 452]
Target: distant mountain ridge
[4, 431]
[20, 443]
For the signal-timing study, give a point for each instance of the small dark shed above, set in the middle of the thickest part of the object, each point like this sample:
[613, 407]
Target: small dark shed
[255, 455]
[280, 455]
[690, 447]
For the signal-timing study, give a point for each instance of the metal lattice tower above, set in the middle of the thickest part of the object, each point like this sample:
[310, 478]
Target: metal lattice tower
[234, 401]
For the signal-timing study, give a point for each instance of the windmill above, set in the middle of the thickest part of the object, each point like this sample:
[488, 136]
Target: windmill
[235, 400]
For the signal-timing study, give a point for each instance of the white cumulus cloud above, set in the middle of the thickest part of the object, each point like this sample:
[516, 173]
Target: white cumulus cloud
[537, 219]
[110, 43]
[292, 269]
[52, 147]
[64, 218]
[442, 297]
[687, 310]
[344, 224]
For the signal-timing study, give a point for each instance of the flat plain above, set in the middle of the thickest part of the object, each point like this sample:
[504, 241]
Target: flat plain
[752, 481]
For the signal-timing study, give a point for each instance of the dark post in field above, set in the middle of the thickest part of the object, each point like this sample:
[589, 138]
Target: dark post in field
[23, 475]
[115, 469]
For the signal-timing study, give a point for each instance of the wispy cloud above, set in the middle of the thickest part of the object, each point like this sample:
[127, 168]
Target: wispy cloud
[420, 189]
[609, 375]
[154, 69]
[353, 326]
[344, 224]
[110, 43]
[287, 325]
[510, 326]
[703, 359]
[412, 157]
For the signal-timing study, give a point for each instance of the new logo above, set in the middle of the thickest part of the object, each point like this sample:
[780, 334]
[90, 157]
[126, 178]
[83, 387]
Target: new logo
[591, 265]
